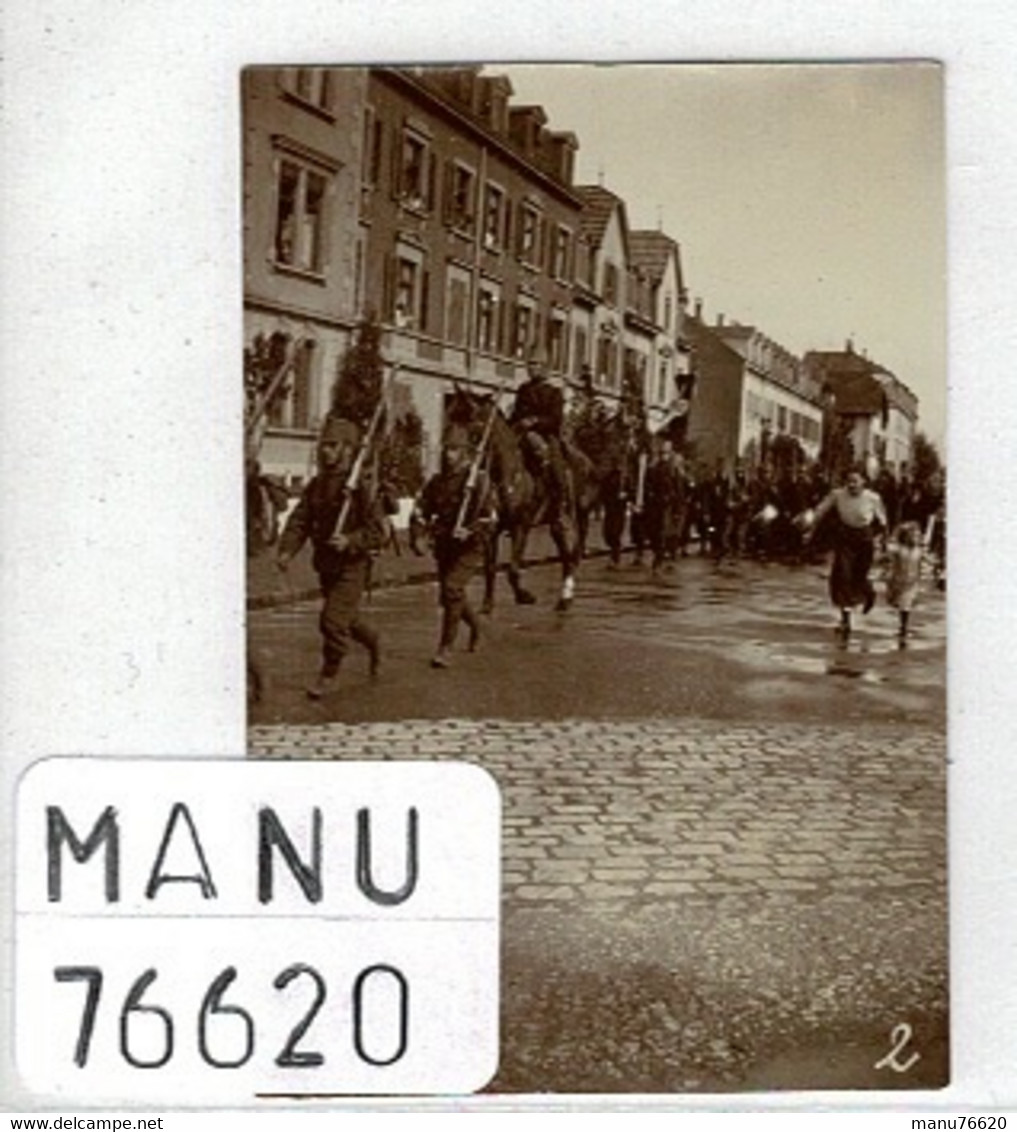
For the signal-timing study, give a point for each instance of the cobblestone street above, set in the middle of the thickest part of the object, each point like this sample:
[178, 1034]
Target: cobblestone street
[696, 903]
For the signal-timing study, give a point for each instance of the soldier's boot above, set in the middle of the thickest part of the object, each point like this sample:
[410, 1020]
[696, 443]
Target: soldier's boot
[449, 628]
[473, 623]
[369, 639]
[324, 684]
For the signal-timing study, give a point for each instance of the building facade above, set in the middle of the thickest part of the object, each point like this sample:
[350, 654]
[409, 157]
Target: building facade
[657, 270]
[301, 196]
[750, 391]
[468, 224]
[426, 200]
[876, 411]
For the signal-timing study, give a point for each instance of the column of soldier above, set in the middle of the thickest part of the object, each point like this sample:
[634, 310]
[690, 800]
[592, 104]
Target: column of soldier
[668, 512]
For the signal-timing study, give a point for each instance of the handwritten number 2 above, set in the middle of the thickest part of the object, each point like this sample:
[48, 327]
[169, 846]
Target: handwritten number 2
[899, 1036]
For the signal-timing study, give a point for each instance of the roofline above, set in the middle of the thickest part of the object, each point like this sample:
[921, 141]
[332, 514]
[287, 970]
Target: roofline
[397, 76]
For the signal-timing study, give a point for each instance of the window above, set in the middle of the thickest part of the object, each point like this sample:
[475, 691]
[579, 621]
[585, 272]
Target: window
[494, 207]
[557, 344]
[459, 195]
[529, 234]
[311, 86]
[579, 355]
[662, 384]
[524, 326]
[610, 284]
[667, 312]
[292, 408]
[299, 223]
[456, 302]
[562, 247]
[406, 289]
[488, 314]
[415, 171]
[606, 361]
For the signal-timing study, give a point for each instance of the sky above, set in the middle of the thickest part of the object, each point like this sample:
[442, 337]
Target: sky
[809, 200]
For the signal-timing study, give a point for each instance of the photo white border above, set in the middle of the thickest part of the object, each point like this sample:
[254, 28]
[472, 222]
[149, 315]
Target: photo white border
[122, 588]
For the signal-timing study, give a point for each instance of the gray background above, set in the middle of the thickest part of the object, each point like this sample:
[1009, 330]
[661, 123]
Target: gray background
[121, 600]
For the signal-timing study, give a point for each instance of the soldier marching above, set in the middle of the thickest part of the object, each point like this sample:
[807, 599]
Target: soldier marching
[750, 511]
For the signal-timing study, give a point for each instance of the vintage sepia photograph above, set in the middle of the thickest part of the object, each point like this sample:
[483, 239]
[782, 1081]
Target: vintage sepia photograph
[595, 435]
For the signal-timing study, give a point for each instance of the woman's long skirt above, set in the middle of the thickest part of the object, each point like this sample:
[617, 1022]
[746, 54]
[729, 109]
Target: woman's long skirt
[853, 549]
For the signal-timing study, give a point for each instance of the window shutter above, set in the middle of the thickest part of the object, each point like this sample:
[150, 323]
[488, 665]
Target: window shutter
[397, 162]
[447, 202]
[377, 153]
[388, 289]
[507, 221]
[432, 177]
[425, 288]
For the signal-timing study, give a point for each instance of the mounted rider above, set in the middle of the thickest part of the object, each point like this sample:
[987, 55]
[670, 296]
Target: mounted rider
[538, 417]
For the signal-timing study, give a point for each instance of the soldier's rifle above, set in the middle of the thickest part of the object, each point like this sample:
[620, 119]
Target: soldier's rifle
[357, 470]
[461, 531]
[641, 462]
[264, 399]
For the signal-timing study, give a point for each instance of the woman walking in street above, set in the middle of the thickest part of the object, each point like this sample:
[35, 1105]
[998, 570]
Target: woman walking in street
[855, 513]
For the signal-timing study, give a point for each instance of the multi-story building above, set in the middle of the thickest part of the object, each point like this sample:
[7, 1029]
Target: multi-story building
[657, 300]
[423, 198]
[468, 226]
[877, 411]
[301, 185]
[749, 391]
[598, 314]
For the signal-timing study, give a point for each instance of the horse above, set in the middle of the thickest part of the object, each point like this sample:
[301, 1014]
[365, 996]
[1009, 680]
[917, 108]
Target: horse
[523, 501]
[616, 454]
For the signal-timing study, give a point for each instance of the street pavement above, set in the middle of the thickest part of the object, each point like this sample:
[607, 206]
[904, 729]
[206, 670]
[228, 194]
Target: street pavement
[724, 837]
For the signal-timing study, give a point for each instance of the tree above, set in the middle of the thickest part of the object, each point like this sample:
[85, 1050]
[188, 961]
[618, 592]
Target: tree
[925, 459]
[358, 383]
[786, 454]
[265, 383]
[401, 458]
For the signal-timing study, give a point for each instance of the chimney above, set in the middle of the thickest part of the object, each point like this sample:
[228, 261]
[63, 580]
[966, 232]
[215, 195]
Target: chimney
[699, 310]
[720, 319]
[849, 347]
[525, 124]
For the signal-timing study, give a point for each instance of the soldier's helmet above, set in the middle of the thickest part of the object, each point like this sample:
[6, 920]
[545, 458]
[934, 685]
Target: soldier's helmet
[456, 437]
[537, 362]
[338, 430]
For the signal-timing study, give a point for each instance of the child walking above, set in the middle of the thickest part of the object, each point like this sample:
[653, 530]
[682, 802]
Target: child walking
[904, 573]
